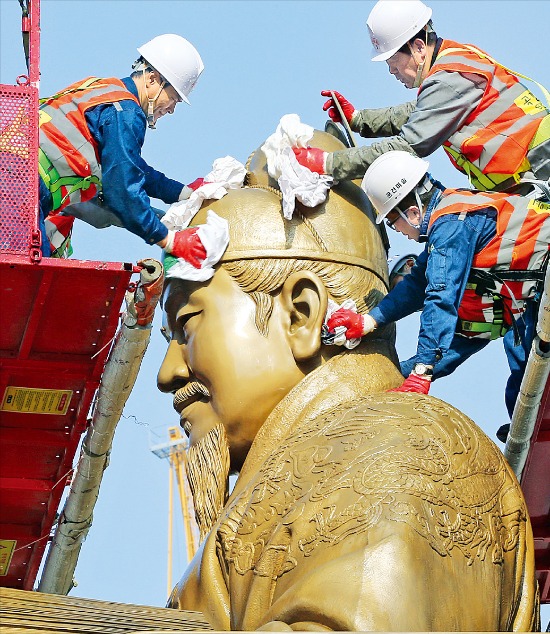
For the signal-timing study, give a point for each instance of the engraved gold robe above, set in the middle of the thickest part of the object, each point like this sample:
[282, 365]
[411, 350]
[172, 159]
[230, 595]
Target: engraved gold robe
[358, 509]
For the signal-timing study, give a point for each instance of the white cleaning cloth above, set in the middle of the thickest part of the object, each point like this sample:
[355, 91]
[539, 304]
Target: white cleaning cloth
[295, 180]
[214, 236]
[227, 173]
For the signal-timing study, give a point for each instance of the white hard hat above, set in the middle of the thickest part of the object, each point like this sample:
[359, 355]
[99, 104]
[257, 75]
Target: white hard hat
[176, 59]
[390, 178]
[392, 23]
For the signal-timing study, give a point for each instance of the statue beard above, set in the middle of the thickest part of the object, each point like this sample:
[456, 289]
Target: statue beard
[208, 474]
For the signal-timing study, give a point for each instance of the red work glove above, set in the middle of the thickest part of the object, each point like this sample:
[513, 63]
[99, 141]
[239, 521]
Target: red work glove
[347, 107]
[196, 184]
[356, 325]
[188, 246]
[414, 383]
[311, 157]
[189, 189]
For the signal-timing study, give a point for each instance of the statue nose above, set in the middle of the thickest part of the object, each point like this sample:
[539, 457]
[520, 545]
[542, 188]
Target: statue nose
[173, 372]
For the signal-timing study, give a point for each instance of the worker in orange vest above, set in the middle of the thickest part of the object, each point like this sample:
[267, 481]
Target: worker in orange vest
[491, 126]
[479, 277]
[90, 163]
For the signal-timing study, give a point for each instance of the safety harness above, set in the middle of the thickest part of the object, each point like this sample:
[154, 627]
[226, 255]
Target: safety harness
[60, 229]
[475, 175]
[53, 181]
[484, 283]
[494, 296]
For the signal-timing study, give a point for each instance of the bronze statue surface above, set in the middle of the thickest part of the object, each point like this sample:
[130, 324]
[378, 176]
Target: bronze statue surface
[355, 508]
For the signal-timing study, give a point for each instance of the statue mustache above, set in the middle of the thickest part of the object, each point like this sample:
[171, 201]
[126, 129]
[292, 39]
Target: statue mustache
[193, 390]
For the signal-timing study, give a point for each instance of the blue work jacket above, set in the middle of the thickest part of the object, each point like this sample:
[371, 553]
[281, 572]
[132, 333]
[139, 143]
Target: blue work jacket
[437, 281]
[128, 181]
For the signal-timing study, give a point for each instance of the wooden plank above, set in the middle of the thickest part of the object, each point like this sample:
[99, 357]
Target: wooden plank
[23, 612]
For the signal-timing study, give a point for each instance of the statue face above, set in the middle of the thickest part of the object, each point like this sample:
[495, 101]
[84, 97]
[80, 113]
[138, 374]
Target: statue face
[215, 342]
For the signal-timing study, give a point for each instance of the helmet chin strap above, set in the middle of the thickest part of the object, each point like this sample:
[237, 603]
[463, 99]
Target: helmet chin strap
[418, 78]
[151, 103]
[432, 189]
[420, 65]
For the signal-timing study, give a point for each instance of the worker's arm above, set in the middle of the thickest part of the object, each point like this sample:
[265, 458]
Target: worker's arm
[158, 185]
[381, 122]
[120, 134]
[354, 162]
[403, 299]
[444, 103]
[406, 297]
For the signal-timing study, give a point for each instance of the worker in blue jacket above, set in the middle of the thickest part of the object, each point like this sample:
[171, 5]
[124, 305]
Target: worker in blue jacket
[90, 163]
[478, 278]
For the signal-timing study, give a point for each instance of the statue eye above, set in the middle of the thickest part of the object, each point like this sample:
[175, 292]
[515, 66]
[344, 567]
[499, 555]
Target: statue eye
[165, 329]
[182, 324]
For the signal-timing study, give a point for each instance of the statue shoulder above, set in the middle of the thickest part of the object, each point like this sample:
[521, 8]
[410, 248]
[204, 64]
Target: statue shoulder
[392, 457]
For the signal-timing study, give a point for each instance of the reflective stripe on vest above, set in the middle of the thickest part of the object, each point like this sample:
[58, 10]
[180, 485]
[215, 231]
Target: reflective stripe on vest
[68, 161]
[519, 248]
[492, 145]
[59, 230]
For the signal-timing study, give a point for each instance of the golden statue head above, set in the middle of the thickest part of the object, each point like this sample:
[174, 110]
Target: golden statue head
[243, 339]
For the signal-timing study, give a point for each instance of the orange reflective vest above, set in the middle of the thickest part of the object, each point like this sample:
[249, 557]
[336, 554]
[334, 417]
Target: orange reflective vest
[510, 268]
[68, 157]
[493, 144]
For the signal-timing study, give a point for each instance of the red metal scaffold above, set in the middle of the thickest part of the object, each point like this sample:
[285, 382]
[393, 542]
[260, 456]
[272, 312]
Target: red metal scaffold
[57, 320]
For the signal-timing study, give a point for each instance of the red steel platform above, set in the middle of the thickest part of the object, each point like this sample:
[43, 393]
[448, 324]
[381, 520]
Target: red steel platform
[57, 320]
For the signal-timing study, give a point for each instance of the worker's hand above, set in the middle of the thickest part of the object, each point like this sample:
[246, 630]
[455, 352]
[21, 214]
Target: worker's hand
[414, 383]
[330, 107]
[198, 182]
[189, 189]
[186, 244]
[311, 157]
[356, 325]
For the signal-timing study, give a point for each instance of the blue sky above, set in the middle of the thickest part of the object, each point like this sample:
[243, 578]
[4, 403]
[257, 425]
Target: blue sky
[263, 59]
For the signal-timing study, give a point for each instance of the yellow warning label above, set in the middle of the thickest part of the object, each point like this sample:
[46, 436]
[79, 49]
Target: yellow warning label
[7, 548]
[529, 103]
[28, 400]
[539, 207]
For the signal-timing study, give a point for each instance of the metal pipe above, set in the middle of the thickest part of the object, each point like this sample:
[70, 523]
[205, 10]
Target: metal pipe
[117, 381]
[170, 522]
[532, 388]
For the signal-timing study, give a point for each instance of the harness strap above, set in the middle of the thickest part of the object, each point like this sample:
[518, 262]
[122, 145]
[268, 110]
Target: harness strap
[485, 280]
[54, 182]
[486, 181]
[83, 86]
[497, 327]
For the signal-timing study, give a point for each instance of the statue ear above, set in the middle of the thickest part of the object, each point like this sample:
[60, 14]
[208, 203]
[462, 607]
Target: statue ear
[304, 298]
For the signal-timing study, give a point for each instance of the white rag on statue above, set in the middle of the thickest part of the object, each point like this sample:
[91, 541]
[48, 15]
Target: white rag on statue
[214, 236]
[227, 173]
[295, 180]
